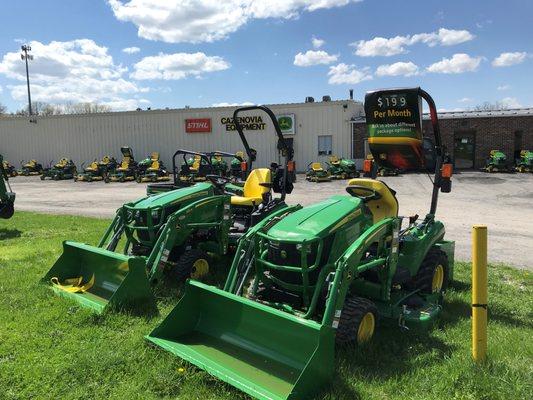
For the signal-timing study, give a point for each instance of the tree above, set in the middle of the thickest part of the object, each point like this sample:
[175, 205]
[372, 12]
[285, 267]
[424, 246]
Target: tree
[488, 106]
[3, 109]
[85, 108]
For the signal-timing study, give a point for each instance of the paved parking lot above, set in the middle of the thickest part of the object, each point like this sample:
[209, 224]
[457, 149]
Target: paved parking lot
[504, 202]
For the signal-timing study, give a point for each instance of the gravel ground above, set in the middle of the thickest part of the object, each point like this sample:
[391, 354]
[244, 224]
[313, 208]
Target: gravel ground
[503, 202]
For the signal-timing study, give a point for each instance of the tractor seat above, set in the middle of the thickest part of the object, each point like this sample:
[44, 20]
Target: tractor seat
[106, 160]
[62, 163]
[125, 164]
[155, 166]
[334, 160]
[92, 167]
[316, 166]
[253, 191]
[384, 207]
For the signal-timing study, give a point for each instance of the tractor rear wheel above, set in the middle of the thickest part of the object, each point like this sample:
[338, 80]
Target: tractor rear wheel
[432, 276]
[357, 322]
[192, 264]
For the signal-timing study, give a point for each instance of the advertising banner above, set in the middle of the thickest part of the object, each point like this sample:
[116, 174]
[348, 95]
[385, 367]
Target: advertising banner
[286, 124]
[198, 125]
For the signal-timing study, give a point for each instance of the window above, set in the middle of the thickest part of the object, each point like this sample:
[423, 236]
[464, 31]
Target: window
[325, 145]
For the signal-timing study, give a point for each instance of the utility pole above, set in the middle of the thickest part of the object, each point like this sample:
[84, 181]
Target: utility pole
[25, 57]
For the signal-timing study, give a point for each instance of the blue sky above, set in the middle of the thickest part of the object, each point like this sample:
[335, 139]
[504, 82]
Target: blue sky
[236, 51]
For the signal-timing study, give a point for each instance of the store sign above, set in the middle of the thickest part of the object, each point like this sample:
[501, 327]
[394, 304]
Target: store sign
[286, 124]
[251, 123]
[198, 125]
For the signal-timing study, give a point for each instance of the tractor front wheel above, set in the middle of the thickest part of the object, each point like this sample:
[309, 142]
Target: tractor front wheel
[432, 277]
[357, 322]
[192, 264]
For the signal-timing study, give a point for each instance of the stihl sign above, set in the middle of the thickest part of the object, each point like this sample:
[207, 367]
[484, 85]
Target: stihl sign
[195, 125]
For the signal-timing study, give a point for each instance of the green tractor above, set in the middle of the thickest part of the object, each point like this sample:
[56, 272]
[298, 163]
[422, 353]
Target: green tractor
[496, 162]
[168, 236]
[64, 169]
[316, 173]
[218, 164]
[152, 169]
[9, 169]
[525, 163]
[342, 168]
[306, 279]
[97, 170]
[236, 166]
[126, 170]
[7, 197]
[32, 167]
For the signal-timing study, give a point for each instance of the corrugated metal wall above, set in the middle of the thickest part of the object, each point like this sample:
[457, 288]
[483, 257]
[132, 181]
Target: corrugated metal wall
[85, 137]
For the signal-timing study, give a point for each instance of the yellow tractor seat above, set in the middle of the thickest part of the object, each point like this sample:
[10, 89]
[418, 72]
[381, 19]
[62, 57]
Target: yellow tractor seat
[106, 160]
[316, 166]
[253, 191]
[196, 163]
[155, 166]
[62, 163]
[334, 160]
[384, 207]
[92, 166]
[125, 164]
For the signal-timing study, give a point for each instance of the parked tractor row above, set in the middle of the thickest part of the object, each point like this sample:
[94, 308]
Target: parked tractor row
[299, 280]
[497, 162]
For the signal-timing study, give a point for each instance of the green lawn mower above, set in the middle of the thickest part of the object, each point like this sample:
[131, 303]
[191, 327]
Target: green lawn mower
[306, 279]
[219, 165]
[97, 170]
[496, 162]
[316, 173]
[126, 170]
[9, 169]
[342, 168]
[525, 163]
[31, 167]
[168, 236]
[64, 169]
[152, 170]
[7, 197]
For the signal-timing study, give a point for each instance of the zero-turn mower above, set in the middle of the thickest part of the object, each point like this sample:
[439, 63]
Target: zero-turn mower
[152, 170]
[306, 279]
[7, 197]
[316, 173]
[342, 168]
[64, 169]
[525, 163]
[496, 162]
[31, 167]
[97, 170]
[9, 169]
[169, 235]
[126, 170]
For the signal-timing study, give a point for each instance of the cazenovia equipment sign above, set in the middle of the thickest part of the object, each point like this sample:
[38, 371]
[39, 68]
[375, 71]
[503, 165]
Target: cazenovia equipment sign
[198, 125]
[394, 122]
[248, 123]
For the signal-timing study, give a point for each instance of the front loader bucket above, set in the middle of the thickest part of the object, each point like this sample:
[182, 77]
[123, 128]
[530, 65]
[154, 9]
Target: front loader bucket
[120, 281]
[264, 352]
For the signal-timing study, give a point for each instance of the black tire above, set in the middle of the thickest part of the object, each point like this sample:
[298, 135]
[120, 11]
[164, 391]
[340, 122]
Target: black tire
[423, 280]
[353, 312]
[42, 177]
[185, 268]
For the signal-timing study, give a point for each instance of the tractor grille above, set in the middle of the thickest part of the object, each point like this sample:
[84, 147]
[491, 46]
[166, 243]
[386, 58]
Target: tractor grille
[288, 254]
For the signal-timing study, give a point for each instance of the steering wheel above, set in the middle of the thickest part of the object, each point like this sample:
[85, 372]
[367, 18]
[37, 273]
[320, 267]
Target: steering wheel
[218, 181]
[363, 192]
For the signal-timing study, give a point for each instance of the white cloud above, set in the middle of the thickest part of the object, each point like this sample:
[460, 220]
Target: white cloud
[511, 102]
[317, 43]
[312, 57]
[224, 104]
[177, 66]
[397, 69]
[347, 74]
[465, 100]
[508, 59]
[458, 64]
[176, 21]
[72, 71]
[131, 50]
[504, 87]
[380, 46]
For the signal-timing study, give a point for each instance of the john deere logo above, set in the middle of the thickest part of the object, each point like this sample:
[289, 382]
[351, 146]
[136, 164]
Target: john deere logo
[283, 254]
[285, 123]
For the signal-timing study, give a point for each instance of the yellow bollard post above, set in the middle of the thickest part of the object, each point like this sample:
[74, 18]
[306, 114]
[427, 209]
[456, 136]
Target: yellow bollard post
[479, 292]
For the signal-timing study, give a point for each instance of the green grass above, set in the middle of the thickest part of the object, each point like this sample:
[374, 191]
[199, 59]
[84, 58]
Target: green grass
[51, 348]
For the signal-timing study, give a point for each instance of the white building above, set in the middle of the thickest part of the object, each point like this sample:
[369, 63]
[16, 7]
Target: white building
[318, 130]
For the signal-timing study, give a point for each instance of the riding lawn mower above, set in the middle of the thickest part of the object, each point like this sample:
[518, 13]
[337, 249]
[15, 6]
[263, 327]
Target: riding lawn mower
[169, 236]
[64, 169]
[7, 197]
[308, 278]
[342, 168]
[152, 169]
[31, 167]
[496, 162]
[316, 173]
[9, 169]
[126, 170]
[525, 163]
[97, 170]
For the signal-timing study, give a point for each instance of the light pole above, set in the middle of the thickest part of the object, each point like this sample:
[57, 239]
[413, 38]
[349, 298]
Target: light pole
[25, 57]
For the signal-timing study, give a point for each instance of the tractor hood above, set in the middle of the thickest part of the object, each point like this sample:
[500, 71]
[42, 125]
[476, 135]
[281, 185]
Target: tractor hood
[187, 194]
[317, 220]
